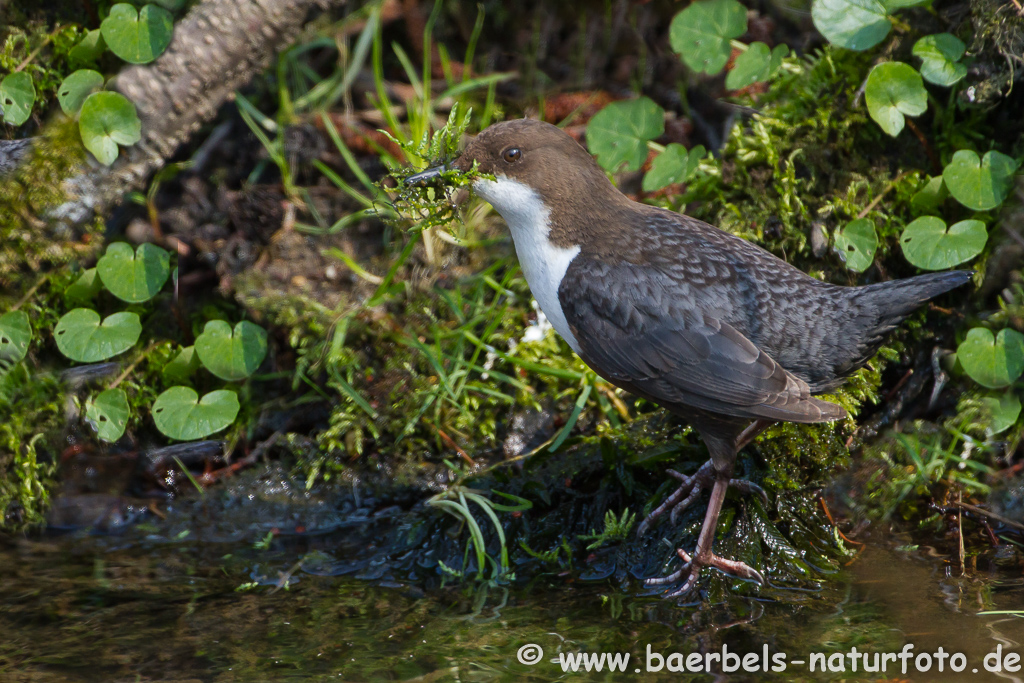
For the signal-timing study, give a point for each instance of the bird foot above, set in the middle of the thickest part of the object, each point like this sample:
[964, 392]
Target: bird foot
[693, 565]
[689, 489]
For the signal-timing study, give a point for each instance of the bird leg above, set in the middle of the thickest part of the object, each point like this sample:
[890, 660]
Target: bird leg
[688, 491]
[703, 557]
[724, 452]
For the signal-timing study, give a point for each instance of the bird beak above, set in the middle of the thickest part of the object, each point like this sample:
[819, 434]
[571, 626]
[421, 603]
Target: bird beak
[425, 177]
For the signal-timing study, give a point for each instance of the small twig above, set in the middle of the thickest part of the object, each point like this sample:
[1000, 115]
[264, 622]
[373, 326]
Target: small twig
[932, 156]
[899, 385]
[451, 443]
[620, 407]
[255, 454]
[991, 534]
[874, 202]
[131, 367]
[30, 292]
[987, 513]
[32, 55]
[833, 523]
[154, 220]
[944, 311]
[1014, 235]
[960, 534]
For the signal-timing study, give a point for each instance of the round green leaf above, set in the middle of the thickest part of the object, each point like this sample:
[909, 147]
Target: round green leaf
[108, 414]
[758, 63]
[894, 89]
[179, 413]
[979, 184]
[674, 165]
[17, 94]
[940, 58]
[82, 338]
[134, 276]
[15, 335]
[930, 197]
[137, 37]
[701, 33]
[618, 134]
[928, 244]
[1005, 410]
[856, 244]
[76, 88]
[85, 288]
[107, 120]
[232, 355]
[181, 367]
[853, 24]
[992, 362]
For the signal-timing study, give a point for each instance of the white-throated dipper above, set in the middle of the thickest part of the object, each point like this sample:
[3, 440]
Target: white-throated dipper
[711, 327]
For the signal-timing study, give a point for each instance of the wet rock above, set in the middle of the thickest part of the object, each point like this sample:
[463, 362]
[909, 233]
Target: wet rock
[819, 240]
[191, 453]
[527, 430]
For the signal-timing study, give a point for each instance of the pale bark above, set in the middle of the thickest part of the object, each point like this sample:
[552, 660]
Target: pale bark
[216, 49]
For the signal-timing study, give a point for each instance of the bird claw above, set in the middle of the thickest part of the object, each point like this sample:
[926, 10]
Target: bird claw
[695, 564]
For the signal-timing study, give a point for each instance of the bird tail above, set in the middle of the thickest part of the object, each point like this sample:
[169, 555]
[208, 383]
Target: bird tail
[899, 298]
[895, 300]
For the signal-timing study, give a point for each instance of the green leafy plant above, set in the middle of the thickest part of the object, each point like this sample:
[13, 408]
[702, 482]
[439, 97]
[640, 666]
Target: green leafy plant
[82, 337]
[76, 88]
[979, 183]
[15, 336]
[1003, 409]
[137, 276]
[134, 276]
[85, 288]
[619, 133]
[615, 529]
[455, 501]
[930, 197]
[674, 165]
[180, 414]
[137, 37]
[108, 414]
[927, 242]
[106, 120]
[758, 63]
[182, 366]
[231, 354]
[855, 24]
[17, 93]
[856, 244]
[993, 361]
[704, 35]
[89, 49]
[702, 32]
[894, 89]
[940, 58]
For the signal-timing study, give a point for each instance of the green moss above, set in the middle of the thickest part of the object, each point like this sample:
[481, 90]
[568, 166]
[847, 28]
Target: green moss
[32, 244]
[810, 156]
[31, 414]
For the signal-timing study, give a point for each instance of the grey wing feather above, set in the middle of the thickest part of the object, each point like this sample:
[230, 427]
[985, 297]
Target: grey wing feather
[632, 331]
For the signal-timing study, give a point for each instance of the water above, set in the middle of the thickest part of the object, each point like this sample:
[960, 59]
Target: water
[153, 602]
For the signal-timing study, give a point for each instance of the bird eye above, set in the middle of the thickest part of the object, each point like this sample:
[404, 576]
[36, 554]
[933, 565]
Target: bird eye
[512, 154]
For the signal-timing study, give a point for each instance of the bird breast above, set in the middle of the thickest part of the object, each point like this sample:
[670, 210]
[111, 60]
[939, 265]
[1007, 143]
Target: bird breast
[543, 263]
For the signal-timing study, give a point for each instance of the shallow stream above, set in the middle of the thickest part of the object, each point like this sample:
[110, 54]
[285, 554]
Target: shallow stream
[190, 597]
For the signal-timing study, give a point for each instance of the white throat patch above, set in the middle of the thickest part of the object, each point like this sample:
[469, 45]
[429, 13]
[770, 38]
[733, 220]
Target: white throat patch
[543, 263]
